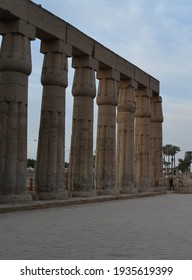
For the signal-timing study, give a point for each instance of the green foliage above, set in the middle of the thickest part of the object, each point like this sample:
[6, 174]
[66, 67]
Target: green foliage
[169, 152]
[31, 163]
[184, 164]
[66, 165]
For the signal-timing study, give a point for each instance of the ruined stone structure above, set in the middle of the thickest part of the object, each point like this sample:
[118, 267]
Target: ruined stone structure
[129, 128]
[182, 182]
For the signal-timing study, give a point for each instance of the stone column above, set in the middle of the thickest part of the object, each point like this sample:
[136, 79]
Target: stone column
[15, 67]
[125, 136]
[81, 154]
[142, 140]
[49, 171]
[156, 143]
[105, 165]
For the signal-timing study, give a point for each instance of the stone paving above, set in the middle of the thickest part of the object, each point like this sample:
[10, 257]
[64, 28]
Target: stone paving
[158, 227]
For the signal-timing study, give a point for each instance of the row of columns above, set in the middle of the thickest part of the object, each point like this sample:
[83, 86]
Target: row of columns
[137, 165]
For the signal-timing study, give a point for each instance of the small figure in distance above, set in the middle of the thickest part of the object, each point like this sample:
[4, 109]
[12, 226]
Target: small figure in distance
[171, 186]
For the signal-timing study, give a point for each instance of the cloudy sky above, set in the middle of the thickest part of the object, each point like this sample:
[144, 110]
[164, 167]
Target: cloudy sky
[154, 35]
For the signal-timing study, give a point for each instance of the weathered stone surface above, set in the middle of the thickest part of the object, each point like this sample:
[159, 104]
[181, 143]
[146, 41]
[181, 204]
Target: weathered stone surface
[125, 67]
[125, 137]
[15, 66]
[81, 154]
[85, 61]
[105, 166]
[18, 26]
[50, 157]
[79, 40]
[142, 141]
[58, 45]
[141, 77]
[154, 85]
[183, 183]
[156, 143]
[104, 55]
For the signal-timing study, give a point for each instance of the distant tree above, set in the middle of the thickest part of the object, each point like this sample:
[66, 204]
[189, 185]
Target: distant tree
[188, 159]
[166, 165]
[31, 163]
[169, 152]
[166, 155]
[183, 165]
[66, 164]
[173, 151]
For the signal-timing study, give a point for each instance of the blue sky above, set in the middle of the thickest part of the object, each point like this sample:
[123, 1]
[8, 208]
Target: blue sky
[154, 35]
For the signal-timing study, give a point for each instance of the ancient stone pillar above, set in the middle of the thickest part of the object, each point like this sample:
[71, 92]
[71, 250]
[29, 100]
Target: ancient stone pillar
[15, 67]
[156, 143]
[125, 136]
[49, 171]
[105, 165]
[81, 154]
[142, 140]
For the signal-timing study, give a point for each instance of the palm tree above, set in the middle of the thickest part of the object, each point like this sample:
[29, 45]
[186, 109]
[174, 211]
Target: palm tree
[170, 151]
[166, 166]
[173, 151]
[166, 153]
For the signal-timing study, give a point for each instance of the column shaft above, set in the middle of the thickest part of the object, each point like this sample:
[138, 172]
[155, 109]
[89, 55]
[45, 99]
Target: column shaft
[156, 143]
[81, 154]
[15, 67]
[105, 165]
[50, 157]
[125, 137]
[142, 141]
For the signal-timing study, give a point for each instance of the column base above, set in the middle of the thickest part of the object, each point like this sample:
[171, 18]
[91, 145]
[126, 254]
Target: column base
[82, 194]
[53, 196]
[146, 190]
[160, 189]
[15, 198]
[129, 191]
[106, 192]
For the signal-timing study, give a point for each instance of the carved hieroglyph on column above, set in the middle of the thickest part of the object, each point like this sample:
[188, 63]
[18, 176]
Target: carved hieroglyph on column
[125, 136]
[50, 157]
[15, 67]
[156, 143]
[105, 165]
[81, 155]
[142, 140]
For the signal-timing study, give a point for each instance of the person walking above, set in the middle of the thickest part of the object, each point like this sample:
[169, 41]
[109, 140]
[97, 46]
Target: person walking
[171, 186]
